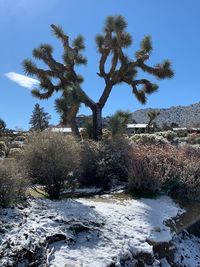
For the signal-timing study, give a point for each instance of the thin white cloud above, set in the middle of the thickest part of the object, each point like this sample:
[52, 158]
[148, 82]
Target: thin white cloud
[22, 80]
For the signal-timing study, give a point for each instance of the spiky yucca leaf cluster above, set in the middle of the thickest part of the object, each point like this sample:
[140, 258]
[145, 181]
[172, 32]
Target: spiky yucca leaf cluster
[145, 48]
[140, 95]
[71, 55]
[38, 53]
[164, 70]
[118, 121]
[29, 67]
[67, 105]
[115, 34]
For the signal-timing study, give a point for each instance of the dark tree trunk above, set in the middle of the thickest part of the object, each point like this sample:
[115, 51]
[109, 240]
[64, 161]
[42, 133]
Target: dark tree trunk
[97, 122]
[75, 130]
[72, 124]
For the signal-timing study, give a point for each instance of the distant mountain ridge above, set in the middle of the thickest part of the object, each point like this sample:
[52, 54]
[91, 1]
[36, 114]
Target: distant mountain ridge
[184, 116]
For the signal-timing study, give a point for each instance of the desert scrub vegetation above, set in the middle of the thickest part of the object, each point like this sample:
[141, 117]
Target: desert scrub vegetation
[150, 167]
[103, 162]
[91, 173]
[164, 168]
[13, 183]
[51, 160]
[148, 139]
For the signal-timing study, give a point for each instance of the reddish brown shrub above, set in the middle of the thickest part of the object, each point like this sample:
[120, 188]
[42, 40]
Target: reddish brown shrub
[153, 168]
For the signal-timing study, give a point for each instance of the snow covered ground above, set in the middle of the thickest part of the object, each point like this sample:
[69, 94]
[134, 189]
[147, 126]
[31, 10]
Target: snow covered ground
[89, 232]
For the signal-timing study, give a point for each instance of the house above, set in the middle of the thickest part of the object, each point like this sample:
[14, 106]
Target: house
[136, 128]
[66, 130]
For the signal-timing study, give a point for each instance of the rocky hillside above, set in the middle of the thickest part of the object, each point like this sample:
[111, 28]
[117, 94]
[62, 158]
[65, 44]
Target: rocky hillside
[182, 115]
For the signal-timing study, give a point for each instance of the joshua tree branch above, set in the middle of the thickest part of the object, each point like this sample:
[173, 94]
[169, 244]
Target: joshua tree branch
[114, 64]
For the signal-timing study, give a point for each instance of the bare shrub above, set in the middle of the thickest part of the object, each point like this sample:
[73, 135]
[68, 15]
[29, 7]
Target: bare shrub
[194, 139]
[190, 175]
[51, 159]
[151, 167]
[165, 168]
[13, 182]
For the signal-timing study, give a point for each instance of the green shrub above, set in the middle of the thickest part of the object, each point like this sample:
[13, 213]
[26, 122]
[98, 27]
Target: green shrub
[169, 135]
[51, 159]
[148, 139]
[102, 162]
[115, 154]
[182, 133]
[13, 183]
[92, 165]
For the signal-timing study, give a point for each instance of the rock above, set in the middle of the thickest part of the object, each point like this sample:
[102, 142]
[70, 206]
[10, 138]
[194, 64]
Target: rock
[55, 238]
[164, 250]
[144, 259]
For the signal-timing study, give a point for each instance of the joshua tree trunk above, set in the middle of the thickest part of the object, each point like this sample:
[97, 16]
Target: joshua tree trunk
[75, 129]
[97, 122]
[69, 120]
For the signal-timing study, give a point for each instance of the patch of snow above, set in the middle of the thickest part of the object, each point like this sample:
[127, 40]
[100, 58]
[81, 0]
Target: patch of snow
[127, 227]
[187, 250]
[116, 228]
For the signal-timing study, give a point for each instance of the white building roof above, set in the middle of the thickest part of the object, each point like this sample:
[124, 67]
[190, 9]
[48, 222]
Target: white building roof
[137, 125]
[62, 130]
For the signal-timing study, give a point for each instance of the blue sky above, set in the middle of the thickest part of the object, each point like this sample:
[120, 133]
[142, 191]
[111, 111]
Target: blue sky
[173, 24]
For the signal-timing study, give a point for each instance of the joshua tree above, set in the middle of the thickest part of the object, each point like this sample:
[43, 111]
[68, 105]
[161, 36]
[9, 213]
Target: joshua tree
[118, 122]
[39, 119]
[152, 117]
[111, 45]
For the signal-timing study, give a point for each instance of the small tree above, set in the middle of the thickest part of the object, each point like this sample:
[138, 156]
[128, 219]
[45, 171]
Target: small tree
[118, 122]
[152, 117]
[39, 119]
[2, 125]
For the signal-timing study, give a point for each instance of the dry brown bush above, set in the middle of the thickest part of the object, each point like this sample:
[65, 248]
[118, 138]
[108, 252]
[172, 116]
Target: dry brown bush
[13, 182]
[51, 159]
[154, 168]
